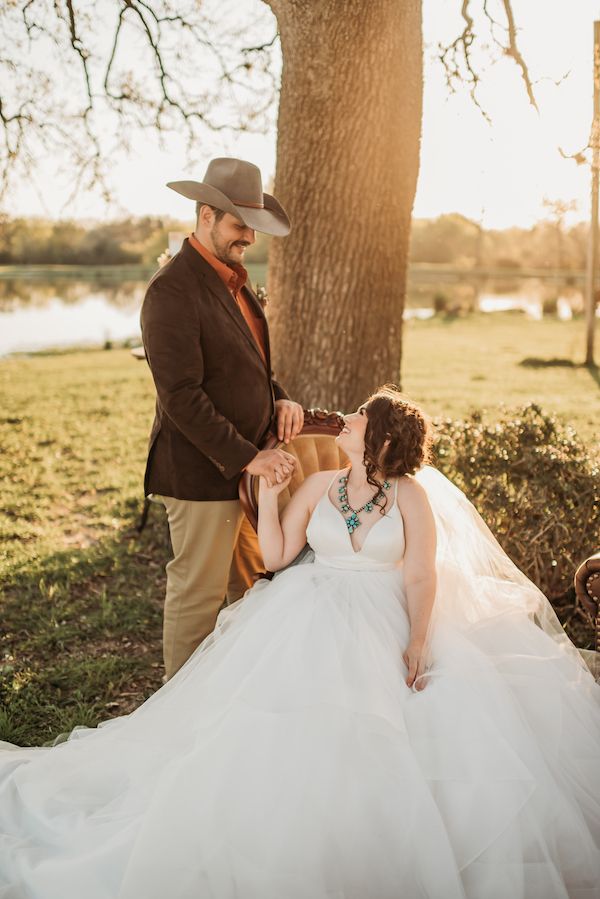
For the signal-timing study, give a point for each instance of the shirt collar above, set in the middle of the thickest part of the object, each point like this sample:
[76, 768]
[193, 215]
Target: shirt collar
[234, 277]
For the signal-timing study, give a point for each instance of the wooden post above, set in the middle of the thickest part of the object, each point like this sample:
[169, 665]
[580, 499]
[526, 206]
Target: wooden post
[592, 261]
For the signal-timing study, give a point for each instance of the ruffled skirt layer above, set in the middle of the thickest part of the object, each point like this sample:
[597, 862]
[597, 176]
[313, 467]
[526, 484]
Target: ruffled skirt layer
[288, 758]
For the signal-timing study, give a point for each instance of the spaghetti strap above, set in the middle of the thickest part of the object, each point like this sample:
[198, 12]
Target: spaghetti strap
[330, 484]
[325, 495]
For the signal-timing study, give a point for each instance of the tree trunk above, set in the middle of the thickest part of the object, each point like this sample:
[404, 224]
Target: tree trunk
[347, 162]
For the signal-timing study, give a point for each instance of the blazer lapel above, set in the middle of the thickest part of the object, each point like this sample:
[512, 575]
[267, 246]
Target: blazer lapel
[216, 286]
[261, 314]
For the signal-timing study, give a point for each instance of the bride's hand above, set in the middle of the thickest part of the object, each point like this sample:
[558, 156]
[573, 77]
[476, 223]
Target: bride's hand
[264, 488]
[415, 660]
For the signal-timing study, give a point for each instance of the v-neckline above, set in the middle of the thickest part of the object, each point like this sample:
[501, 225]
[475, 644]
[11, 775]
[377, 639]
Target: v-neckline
[340, 515]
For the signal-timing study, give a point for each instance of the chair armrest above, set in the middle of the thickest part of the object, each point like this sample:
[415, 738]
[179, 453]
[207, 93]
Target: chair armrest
[587, 590]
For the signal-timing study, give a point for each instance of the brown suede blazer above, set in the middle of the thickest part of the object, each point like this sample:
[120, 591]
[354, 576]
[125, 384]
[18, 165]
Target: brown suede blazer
[215, 396]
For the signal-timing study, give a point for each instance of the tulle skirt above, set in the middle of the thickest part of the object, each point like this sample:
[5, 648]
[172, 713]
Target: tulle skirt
[289, 760]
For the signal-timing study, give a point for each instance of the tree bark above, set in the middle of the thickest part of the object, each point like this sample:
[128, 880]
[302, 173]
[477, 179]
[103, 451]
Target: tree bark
[348, 143]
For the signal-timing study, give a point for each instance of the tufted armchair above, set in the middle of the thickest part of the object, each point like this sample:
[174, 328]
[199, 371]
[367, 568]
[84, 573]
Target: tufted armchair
[314, 448]
[587, 590]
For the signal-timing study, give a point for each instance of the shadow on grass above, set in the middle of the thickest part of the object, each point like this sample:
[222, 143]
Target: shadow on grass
[557, 362]
[81, 638]
[594, 371]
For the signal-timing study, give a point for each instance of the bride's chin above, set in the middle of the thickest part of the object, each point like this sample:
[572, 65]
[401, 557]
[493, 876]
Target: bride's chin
[345, 444]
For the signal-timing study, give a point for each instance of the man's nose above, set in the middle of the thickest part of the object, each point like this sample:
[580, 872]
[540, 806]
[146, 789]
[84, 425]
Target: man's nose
[250, 235]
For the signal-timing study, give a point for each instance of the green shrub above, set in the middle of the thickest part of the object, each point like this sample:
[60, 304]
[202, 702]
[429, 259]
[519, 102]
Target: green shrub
[537, 486]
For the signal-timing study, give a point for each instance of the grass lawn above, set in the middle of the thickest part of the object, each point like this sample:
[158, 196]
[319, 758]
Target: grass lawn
[483, 361]
[81, 590]
[81, 600]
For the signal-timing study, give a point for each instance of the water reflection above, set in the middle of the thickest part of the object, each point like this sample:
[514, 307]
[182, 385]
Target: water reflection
[458, 293]
[21, 292]
[57, 325]
[44, 309]
[59, 312]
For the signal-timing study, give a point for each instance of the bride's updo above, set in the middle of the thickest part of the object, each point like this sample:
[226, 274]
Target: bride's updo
[391, 416]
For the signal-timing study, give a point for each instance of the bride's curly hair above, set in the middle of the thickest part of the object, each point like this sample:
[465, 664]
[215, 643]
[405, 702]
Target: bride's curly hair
[392, 416]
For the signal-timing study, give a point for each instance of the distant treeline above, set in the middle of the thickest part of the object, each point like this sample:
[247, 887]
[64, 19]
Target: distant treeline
[131, 241]
[451, 239]
[456, 240]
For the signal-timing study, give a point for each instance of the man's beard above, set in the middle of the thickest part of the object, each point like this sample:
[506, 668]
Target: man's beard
[222, 247]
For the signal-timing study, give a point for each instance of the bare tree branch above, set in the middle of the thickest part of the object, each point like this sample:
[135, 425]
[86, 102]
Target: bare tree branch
[456, 60]
[111, 58]
[493, 22]
[457, 57]
[189, 75]
[259, 49]
[513, 51]
[77, 45]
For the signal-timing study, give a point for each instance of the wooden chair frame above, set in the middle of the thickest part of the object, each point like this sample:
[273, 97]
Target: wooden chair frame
[587, 591]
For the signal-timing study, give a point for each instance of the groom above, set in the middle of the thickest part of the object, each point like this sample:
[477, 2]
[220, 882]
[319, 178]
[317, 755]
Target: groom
[207, 343]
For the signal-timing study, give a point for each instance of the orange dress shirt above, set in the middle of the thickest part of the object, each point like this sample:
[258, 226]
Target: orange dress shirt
[234, 279]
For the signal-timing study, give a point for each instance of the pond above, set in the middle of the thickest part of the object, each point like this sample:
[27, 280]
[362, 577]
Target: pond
[43, 308]
[451, 291]
[51, 309]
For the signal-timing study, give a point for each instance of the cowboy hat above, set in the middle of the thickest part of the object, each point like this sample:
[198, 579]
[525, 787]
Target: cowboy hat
[235, 186]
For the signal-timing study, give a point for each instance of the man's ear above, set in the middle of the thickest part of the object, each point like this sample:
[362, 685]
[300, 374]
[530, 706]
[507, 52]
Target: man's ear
[205, 215]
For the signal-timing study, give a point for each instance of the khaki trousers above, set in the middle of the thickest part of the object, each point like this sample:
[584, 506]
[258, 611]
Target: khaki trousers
[215, 555]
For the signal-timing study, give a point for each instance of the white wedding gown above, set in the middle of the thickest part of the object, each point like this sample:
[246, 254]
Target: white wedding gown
[289, 760]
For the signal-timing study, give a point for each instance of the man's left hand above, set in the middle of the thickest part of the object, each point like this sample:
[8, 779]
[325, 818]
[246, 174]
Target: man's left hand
[290, 419]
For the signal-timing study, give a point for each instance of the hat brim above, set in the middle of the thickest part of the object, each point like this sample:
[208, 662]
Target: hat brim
[273, 219]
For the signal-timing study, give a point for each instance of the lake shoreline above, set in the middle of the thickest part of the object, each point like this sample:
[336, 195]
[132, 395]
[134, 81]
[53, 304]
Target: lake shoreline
[422, 269]
[135, 341]
[62, 308]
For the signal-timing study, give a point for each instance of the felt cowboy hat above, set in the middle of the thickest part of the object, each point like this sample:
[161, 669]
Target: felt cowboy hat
[235, 186]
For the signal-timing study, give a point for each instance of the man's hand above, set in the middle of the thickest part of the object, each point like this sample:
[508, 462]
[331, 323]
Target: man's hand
[290, 419]
[275, 466]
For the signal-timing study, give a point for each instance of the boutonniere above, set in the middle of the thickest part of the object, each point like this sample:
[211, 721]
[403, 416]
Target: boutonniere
[261, 295]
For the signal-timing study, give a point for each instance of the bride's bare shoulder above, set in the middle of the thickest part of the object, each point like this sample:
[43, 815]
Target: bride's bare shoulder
[320, 479]
[310, 491]
[411, 493]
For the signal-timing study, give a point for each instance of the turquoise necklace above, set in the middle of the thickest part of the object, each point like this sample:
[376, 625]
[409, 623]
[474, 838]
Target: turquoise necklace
[353, 521]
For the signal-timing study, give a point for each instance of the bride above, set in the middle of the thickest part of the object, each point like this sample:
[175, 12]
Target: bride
[399, 714]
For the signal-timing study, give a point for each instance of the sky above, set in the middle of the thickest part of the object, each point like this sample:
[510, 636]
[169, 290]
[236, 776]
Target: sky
[498, 175]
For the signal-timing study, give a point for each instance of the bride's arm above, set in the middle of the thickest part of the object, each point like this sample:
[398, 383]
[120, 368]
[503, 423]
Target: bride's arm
[281, 541]
[419, 570]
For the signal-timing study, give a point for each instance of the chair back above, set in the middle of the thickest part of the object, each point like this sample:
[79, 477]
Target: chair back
[315, 450]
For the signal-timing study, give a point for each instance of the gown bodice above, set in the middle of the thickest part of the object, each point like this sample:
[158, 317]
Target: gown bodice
[383, 545]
